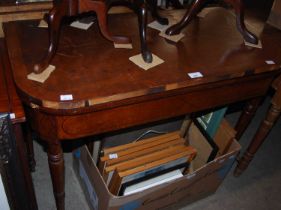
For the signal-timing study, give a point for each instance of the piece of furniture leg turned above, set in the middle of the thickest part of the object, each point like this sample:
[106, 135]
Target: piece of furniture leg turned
[195, 8]
[247, 116]
[264, 129]
[56, 164]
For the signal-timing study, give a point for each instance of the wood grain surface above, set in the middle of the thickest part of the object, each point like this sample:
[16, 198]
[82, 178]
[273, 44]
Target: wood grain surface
[95, 73]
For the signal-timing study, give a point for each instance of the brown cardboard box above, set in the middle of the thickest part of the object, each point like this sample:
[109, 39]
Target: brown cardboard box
[203, 181]
[275, 15]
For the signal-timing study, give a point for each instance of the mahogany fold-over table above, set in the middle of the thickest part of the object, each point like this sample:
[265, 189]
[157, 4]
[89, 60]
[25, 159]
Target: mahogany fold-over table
[107, 92]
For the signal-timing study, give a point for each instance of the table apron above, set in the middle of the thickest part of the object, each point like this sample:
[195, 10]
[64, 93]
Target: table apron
[58, 127]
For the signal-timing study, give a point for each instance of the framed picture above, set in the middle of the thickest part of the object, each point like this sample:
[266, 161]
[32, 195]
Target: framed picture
[124, 178]
[142, 160]
[209, 143]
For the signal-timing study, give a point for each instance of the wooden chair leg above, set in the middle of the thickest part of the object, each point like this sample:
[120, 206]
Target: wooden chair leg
[175, 4]
[54, 21]
[152, 4]
[101, 10]
[189, 15]
[142, 19]
[239, 10]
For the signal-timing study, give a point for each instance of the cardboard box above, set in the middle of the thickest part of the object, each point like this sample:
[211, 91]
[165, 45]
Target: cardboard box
[275, 15]
[203, 181]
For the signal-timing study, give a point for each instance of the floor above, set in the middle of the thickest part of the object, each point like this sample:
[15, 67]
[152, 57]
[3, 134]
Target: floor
[258, 188]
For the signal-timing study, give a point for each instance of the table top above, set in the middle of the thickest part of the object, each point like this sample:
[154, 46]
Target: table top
[9, 100]
[99, 76]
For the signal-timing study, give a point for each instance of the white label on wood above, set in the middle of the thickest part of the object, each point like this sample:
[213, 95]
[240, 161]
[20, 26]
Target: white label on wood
[12, 116]
[270, 62]
[193, 75]
[113, 156]
[68, 97]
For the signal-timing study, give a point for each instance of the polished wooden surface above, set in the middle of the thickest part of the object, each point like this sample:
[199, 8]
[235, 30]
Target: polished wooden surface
[67, 8]
[80, 55]
[110, 92]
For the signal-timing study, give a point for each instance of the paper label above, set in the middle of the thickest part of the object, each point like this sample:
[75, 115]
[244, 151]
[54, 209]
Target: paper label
[68, 97]
[43, 76]
[258, 45]
[270, 62]
[113, 156]
[123, 46]
[43, 24]
[195, 75]
[83, 26]
[138, 60]
[12, 116]
[174, 38]
[158, 26]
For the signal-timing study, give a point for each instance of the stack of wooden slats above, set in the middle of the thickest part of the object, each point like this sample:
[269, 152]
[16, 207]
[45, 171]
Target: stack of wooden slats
[131, 163]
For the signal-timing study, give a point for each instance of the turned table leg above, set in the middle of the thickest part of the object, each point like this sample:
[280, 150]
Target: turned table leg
[246, 116]
[265, 127]
[56, 164]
